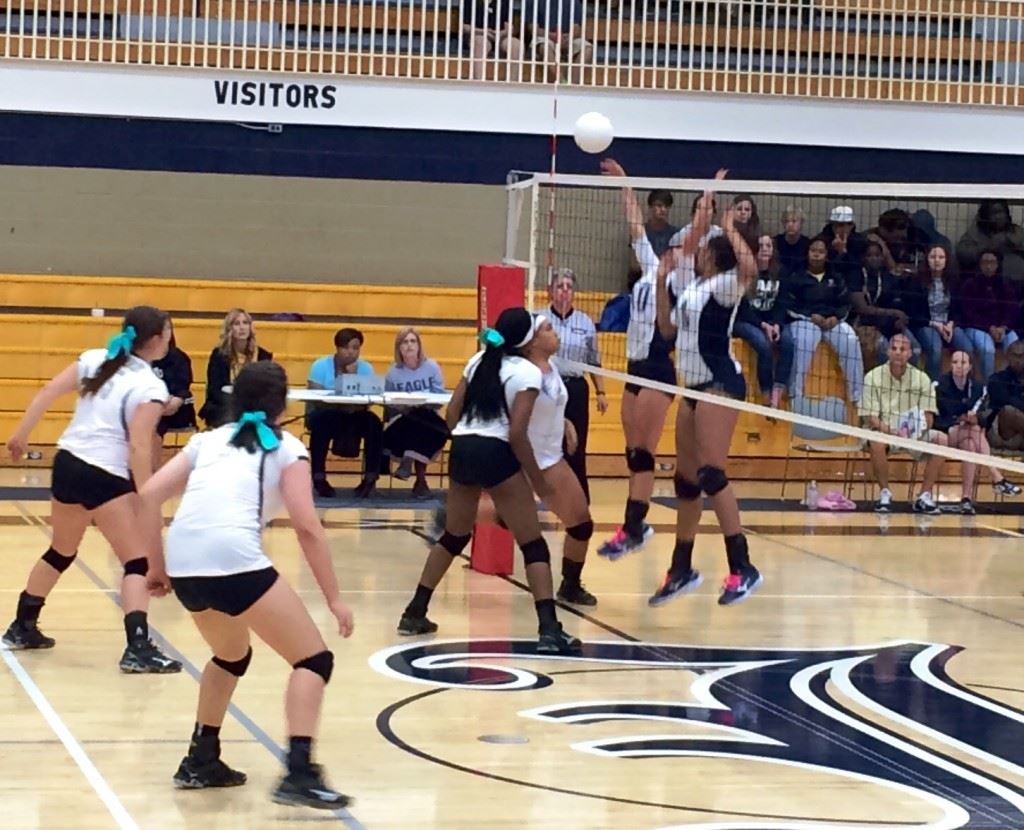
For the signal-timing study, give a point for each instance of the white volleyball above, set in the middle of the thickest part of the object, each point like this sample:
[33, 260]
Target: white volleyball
[593, 132]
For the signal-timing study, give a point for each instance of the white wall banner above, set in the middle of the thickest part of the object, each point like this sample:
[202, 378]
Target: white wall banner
[254, 97]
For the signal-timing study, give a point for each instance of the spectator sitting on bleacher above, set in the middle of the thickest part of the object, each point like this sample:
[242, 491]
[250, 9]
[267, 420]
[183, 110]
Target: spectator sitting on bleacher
[236, 348]
[960, 399]
[933, 303]
[760, 321]
[343, 428]
[845, 245]
[415, 434]
[903, 244]
[874, 299]
[556, 37]
[792, 243]
[817, 304]
[488, 26]
[747, 221]
[993, 230]
[900, 400]
[1006, 402]
[175, 369]
[989, 308]
[657, 227]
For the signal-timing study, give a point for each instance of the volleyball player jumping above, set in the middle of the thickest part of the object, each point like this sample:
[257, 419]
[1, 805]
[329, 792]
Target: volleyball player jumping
[489, 415]
[234, 479]
[701, 318]
[102, 456]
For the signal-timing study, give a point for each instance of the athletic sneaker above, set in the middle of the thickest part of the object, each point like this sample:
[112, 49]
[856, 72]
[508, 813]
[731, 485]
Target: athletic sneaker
[620, 544]
[576, 594]
[1006, 488]
[737, 587]
[410, 626]
[19, 636]
[965, 507]
[675, 586]
[555, 640]
[146, 658]
[307, 788]
[926, 504]
[884, 503]
[194, 774]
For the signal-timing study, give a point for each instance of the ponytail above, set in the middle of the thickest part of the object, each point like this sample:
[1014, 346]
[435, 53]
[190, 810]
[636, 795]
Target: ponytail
[141, 324]
[485, 393]
[258, 398]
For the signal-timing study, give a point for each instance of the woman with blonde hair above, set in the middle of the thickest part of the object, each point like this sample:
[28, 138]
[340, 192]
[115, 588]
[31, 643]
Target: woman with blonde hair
[415, 434]
[236, 348]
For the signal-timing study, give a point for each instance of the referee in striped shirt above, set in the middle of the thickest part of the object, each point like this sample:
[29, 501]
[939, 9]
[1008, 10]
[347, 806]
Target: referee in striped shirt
[578, 337]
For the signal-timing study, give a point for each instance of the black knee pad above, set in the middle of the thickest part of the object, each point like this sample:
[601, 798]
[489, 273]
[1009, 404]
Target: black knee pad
[581, 532]
[236, 667]
[136, 567]
[712, 480]
[639, 460]
[321, 663]
[687, 490]
[535, 552]
[454, 544]
[57, 561]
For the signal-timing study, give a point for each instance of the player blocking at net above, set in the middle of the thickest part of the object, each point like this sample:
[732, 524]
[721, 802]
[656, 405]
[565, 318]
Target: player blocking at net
[707, 290]
[648, 355]
[232, 481]
[489, 415]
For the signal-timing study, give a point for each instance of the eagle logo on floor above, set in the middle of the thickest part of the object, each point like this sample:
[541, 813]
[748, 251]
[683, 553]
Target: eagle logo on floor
[885, 720]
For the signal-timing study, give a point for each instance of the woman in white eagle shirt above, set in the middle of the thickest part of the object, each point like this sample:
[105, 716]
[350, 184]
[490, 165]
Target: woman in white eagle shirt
[489, 415]
[707, 296]
[549, 431]
[235, 479]
[102, 456]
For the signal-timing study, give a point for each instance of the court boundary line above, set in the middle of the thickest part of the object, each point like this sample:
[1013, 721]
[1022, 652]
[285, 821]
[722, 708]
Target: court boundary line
[66, 737]
[247, 723]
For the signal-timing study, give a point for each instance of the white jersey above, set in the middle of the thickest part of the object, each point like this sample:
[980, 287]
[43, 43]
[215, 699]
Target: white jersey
[643, 303]
[704, 313]
[98, 432]
[547, 423]
[517, 375]
[231, 494]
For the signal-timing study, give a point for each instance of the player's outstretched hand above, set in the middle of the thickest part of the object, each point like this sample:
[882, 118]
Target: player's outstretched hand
[17, 447]
[158, 583]
[343, 614]
[721, 174]
[610, 167]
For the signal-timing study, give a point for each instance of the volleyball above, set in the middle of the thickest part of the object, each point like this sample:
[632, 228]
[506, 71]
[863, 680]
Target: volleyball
[593, 132]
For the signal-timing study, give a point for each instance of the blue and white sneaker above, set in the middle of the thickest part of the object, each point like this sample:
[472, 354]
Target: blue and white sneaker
[621, 543]
[737, 587]
[675, 586]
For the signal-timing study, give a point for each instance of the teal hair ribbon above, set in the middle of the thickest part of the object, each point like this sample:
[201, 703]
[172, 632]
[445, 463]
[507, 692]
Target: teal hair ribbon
[492, 338]
[267, 438]
[121, 343]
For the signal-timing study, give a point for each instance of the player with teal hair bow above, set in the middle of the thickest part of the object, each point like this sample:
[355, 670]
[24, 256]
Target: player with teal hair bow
[121, 343]
[267, 437]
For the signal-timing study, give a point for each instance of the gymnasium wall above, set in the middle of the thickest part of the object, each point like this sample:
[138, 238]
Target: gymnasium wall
[143, 223]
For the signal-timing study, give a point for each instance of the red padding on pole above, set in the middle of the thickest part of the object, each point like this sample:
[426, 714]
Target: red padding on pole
[498, 287]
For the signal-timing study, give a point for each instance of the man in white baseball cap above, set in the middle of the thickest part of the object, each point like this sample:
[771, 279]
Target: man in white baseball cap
[846, 246]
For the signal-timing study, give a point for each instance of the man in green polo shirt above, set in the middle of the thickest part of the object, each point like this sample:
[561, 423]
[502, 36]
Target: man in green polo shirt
[899, 399]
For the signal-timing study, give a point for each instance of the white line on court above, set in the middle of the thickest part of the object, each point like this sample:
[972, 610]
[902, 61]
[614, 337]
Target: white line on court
[92, 775]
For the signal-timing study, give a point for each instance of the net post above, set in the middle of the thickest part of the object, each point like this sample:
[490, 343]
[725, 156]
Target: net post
[498, 287]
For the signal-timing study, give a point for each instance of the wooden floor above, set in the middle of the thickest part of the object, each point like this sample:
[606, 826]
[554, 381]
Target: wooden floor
[875, 681]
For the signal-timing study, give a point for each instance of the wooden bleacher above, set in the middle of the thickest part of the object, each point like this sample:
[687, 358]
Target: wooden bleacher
[35, 346]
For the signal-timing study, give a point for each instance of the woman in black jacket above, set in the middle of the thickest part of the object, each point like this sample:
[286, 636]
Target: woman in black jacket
[236, 348]
[180, 412]
[817, 303]
[960, 398]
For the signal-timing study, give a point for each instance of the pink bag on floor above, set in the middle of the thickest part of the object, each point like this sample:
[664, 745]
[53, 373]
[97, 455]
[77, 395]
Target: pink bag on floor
[834, 500]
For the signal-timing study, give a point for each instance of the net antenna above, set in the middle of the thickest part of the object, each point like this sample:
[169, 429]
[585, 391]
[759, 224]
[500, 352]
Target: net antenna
[588, 233]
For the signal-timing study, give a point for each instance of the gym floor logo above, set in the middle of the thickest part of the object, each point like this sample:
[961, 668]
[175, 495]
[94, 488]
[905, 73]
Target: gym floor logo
[886, 715]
